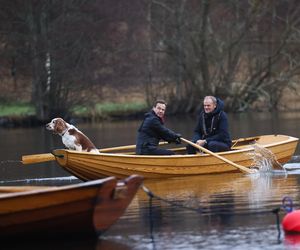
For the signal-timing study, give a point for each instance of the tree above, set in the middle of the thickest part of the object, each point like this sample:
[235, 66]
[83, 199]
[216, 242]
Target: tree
[242, 51]
[57, 38]
[238, 50]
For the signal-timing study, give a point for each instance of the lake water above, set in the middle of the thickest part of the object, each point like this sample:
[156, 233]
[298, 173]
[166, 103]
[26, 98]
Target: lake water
[228, 211]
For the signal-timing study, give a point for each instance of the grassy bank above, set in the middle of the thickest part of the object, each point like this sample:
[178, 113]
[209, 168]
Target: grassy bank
[16, 109]
[99, 111]
[109, 109]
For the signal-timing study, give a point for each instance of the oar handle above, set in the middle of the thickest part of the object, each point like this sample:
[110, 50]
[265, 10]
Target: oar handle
[242, 168]
[127, 147]
[29, 159]
[38, 158]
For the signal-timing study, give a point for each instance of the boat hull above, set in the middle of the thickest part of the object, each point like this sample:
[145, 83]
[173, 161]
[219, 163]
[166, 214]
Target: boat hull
[85, 209]
[88, 166]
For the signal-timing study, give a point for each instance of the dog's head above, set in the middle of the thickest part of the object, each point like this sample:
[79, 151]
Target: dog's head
[57, 126]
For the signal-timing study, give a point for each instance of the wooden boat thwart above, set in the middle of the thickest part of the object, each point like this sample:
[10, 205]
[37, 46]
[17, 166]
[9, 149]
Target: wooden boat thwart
[87, 166]
[84, 210]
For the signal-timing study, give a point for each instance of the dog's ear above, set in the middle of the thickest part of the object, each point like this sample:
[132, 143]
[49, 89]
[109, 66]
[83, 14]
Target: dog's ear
[59, 126]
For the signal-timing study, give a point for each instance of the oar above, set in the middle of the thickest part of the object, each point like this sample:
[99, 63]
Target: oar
[37, 158]
[29, 159]
[240, 167]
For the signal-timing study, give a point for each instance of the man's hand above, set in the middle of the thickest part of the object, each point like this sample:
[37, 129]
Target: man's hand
[201, 142]
[178, 140]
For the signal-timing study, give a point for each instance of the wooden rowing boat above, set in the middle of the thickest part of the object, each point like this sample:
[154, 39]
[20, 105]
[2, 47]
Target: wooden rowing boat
[87, 166]
[84, 209]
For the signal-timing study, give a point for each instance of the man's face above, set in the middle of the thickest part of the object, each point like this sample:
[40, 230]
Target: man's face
[208, 105]
[160, 109]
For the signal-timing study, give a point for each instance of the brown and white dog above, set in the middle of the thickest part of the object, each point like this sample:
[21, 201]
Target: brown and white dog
[72, 138]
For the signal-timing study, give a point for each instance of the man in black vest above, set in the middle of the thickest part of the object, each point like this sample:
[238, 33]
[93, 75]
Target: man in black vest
[152, 130]
[212, 130]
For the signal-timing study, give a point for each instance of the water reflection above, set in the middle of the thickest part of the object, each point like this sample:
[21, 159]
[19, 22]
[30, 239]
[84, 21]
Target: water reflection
[196, 209]
[292, 241]
[221, 210]
[54, 181]
[249, 192]
[67, 244]
[230, 211]
[204, 212]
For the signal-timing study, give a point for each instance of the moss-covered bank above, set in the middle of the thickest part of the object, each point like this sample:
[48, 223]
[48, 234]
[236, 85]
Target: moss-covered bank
[23, 114]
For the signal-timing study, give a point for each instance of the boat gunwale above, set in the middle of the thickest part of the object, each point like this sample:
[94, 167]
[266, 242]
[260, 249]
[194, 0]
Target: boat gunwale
[243, 150]
[48, 189]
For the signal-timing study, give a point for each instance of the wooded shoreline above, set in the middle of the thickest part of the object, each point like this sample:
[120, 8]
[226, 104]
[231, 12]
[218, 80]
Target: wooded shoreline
[33, 121]
[244, 52]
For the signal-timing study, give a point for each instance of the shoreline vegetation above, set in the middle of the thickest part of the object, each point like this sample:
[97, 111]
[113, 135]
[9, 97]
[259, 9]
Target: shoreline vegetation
[23, 114]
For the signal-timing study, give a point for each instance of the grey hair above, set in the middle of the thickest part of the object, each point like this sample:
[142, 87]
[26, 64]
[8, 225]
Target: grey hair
[214, 99]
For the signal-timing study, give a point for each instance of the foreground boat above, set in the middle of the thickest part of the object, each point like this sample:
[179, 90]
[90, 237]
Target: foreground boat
[87, 166]
[79, 210]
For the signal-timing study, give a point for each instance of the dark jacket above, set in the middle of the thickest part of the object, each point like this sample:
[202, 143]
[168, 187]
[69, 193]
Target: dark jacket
[151, 131]
[213, 126]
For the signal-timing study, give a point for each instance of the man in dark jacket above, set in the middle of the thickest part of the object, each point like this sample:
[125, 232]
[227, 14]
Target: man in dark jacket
[152, 130]
[212, 130]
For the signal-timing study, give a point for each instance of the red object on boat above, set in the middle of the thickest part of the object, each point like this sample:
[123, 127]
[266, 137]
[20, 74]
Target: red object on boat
[291, 222]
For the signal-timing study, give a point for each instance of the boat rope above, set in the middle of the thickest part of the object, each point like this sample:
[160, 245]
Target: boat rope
[172, 203]
[287, 206]
[276, 212]
[150, 213]
[151, 196]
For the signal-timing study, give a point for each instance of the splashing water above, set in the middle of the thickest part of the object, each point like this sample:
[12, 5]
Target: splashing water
[264, 160]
